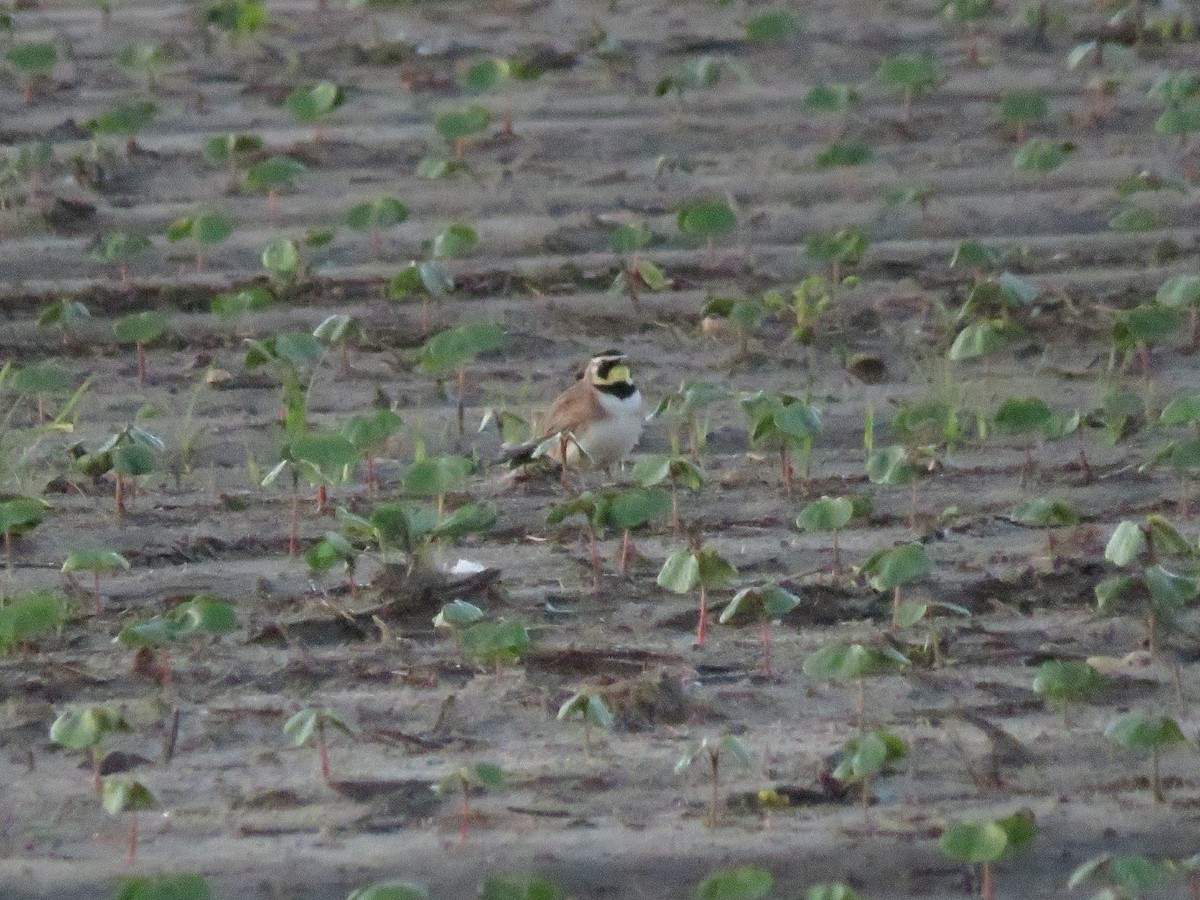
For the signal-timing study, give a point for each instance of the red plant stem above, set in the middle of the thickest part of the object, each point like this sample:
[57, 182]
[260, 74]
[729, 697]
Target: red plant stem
[96, 589]
[714, 801]
[623, 566]
[164, 668]
[675, 523]
[837, 554]
[97, 786]
[272, 204]
[989, 890]
[462, 390]
[785, 466]
[322, 497]
[199, 262]
[119, 495]
[141, 365]
[702, 625]
[133, 837]
[370, 473]
[294, 539]
[27, 89]
[323, 751]
[1194, 883]
[376, 245]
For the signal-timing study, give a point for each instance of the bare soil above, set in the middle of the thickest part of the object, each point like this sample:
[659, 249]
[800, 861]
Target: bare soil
[242, 806]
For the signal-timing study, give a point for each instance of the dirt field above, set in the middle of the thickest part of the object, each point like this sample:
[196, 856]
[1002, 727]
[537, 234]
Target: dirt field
[244, 807]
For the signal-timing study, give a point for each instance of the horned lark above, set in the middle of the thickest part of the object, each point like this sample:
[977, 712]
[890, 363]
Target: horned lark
[598, 417]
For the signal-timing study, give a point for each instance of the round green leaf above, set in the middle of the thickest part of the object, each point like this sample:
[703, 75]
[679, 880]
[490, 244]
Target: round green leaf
[826, 514]
[437, 475]
[680, 572]
[740, 883]
[126, 795]
[1143, 732]
[706, 219]
[390, 890]
[95, 561]
[974, 842]
[462, 123]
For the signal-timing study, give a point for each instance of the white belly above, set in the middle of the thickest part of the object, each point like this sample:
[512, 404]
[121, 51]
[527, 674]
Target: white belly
[608, 441]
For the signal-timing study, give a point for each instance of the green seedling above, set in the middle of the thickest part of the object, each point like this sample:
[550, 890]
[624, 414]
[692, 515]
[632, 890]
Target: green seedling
[289, 356]
[453, 350]
[1126, 877]
[28, 164]
[65, 315]
[839, 248]
[519, 887]
[706, 220]
[682, 409]
[634, 273]
[369, 435]
[85, 728]
[807, 303]
[768, 27]
[920, 194]
[891, 569]
[43, 381]
[96, 562]
[164, 887]
[376, 217]
[205, 229]
[339, 330]
[141, 330]
[147, 59]
[127, 119]
[489, 75]
[845, 155]
[118, 249]
[1039, 156]
[233, 151]
[308, 727]
[1183, 292]
[764, 604]
[897, 465]
[676, 470]
[270, 176]
[197, 618]
[712, 749]
[866, 756]
[18, 516]
[457, 615]
[235, 304]
[633, 508]
[700, 568]
[911, 74]
[32, 62]
[312, 456]
[998, 296]
[332, 549]
[1031, 417]
[593, 510]
[855, 662]
[411, 528]
[436, 477]
[1182, 456]
[744, 315]
[465, 779]
[1163, 593]
[830, 98]
[314, 105]
[969, 13]
[458, 126]
[1047, 513]
[284, 260]
[496, 644]
[1143, 733]
[128, 454]
[237, 19]
[588, 706]
[1138, 329]
[981, 340]
[1133, 218]
[1061, 682]
[426, 279]
[390, 890]
[1022, 108]
[697, 74]
[786, 423]
[975, 257]
[984, 843]
[128, 795]
[24, 619]
[830, 514]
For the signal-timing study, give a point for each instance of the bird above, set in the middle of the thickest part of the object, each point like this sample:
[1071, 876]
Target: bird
[599, 417]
